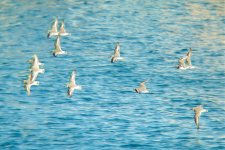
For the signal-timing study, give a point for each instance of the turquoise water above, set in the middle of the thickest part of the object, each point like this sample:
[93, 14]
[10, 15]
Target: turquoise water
[107, 114]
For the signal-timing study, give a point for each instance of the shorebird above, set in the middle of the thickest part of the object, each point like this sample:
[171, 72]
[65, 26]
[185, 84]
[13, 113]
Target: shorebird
[116, 55]
[181, 64]
[58, 50]
[35, 69]
[188, 57]
[28, 83]
[35, 60]
[198, 110]
[72, 84]
[54, 30]
[62, 30]
[142, 88]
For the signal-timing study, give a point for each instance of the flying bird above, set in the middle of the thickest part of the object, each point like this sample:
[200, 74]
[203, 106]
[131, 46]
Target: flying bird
[72, 84]
[198, 110]
[142, 88]
[58, 50]
[35, 68]
[116, 55]
[28, 83]
[35, 60]
[54, 29]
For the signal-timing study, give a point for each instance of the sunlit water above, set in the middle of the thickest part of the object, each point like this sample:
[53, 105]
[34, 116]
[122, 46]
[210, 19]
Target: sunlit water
[107, 113]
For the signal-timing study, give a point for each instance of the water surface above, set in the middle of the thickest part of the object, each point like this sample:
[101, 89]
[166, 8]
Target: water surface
[107, 114]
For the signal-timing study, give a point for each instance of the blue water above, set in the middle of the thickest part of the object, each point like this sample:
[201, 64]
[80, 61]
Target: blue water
[107, 114]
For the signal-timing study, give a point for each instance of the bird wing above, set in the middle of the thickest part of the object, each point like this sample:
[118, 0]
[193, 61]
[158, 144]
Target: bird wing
[27, 88]
[35, 60]
[54, 26]
[117, 51]
[73, 76]
[70, 91]
[58, 45]
[196, 118]
[62, 28]
[189, 53]
[188, 60]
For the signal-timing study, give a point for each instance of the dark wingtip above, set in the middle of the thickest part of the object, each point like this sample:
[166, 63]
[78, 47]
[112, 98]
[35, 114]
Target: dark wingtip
[112, 60]
[136, 90]
[68, 92]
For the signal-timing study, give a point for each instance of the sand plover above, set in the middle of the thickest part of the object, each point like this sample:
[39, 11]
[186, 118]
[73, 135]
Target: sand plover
[72, 84]
[58, 50]
[198, 110]
[142, 88]
[54, 29]
[35, 60]
[116, 55]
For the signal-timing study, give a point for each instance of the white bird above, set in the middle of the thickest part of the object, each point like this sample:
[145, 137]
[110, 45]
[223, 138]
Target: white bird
[35, 60]
[54, 29]
[72, 84]
[58, 50]
[28, 83]
[116, 55]
[198, 110]
[35, 69]
[62, 30]
[142, 88]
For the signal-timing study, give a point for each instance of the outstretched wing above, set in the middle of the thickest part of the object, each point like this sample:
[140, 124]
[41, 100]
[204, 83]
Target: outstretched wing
[58, 45]
[73, 76]
[70, 91]
[117, 50]
[196, 118]
[189, 53]
[54, 26]
[62, 28]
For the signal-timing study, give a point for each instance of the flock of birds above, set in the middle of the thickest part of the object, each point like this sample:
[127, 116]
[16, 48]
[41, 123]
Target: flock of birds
[183, 63]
